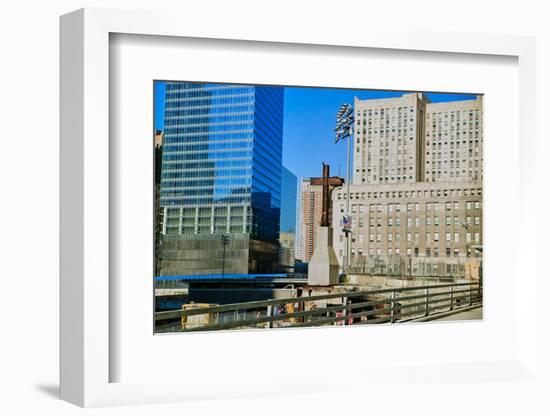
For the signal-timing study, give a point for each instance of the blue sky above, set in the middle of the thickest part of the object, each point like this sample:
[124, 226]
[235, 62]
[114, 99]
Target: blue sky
[309, 118]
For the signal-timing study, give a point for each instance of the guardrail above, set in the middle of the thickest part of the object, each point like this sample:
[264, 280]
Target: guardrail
[344, 308]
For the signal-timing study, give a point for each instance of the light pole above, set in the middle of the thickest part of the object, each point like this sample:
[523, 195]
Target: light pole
[343, 130]
[224, 241]
[467, 228]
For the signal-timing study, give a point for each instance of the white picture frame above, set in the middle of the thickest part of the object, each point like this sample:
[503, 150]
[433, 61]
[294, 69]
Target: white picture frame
[86, 355]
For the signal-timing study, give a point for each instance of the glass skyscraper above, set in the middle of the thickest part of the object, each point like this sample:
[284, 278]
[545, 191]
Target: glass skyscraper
[287, 237]
[220, 174]
[289, 186]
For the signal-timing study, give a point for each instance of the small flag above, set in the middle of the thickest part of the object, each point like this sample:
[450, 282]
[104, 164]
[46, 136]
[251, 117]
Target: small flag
[346, 222]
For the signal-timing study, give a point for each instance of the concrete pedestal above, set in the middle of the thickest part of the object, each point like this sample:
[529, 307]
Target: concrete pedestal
[323, 267]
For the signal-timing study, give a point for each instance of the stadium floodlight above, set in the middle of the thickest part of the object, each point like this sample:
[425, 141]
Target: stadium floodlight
[343, 130]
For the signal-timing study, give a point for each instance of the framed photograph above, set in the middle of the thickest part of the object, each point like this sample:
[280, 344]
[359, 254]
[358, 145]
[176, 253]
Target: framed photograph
[250, 234]
[237, 208]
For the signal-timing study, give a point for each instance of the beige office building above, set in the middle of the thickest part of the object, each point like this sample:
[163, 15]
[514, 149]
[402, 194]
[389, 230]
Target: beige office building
[390, 140]
[416, 195]
[436, 223]
[454, 141]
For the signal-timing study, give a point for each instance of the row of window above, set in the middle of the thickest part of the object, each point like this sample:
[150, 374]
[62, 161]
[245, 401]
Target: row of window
[176, 170]
[410, 194]
[414, 237]
[410, 207]
[397, 252]
[206, 155]
[377, 222]
[187, 174]
[454, 113]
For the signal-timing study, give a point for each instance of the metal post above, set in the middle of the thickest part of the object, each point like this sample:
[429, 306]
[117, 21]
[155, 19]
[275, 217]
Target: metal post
[345, 311]
[270, 313]
[348, 234]
[224, 241]
[427, 291]
[452, 298]
[393, 307]
[223, 262]
[344, 130]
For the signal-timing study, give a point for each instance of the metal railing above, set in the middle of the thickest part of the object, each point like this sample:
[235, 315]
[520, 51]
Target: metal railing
[390, 305]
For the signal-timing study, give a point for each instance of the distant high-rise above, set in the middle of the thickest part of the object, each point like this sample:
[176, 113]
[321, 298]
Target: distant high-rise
[309, 218]
[221, 174]
[289, 185]
[289, 189]
[158, 139]
[310, 213]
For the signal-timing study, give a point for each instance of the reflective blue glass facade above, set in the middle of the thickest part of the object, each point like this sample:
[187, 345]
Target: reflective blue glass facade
[221, 163]
[289, 194]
